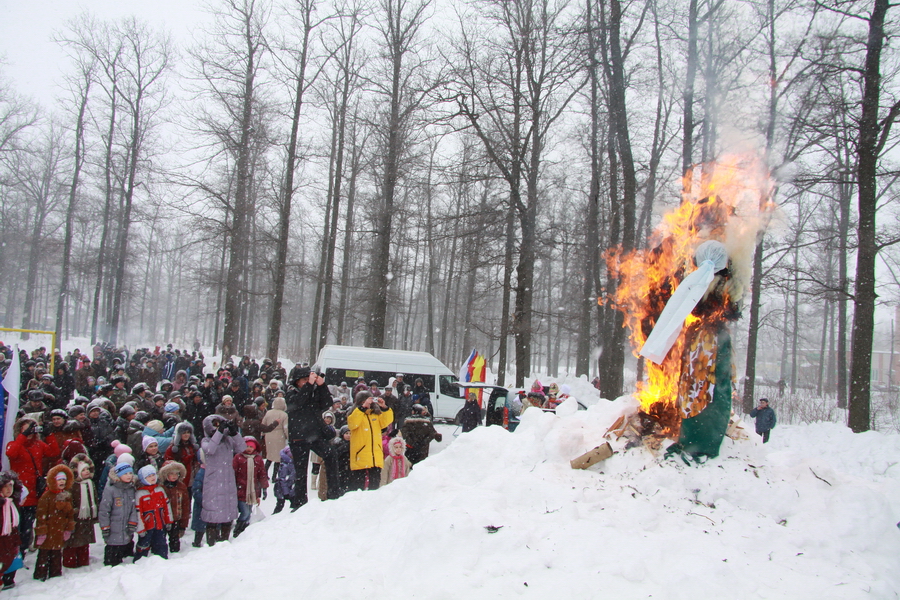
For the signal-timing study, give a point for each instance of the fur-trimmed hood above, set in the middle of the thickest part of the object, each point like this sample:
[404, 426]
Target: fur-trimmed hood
[209, 424]
[79, 462]
[172, 466]
[17, 427]
[6, 477]
[51, 477]
[397, 446]
[176, 437]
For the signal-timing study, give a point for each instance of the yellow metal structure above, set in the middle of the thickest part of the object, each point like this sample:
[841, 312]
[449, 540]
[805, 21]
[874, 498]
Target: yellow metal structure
[52, 344]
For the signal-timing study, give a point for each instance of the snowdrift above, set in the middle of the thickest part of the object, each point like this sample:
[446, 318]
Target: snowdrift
[806, 516]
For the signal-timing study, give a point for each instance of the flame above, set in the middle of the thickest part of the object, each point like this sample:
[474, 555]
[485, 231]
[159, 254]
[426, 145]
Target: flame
[727, 201]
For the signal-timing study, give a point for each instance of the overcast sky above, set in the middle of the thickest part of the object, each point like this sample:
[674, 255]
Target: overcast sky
[33, 61]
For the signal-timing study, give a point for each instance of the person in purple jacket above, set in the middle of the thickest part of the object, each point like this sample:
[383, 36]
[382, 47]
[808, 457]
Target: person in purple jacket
[220, 500]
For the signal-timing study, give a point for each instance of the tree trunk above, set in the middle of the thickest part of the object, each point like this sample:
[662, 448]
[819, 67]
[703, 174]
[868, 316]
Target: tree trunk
[287, 194]
[70, 208]
[235, 283]
[591, 250]
[687, 141]
[107, 208]
[858, 416]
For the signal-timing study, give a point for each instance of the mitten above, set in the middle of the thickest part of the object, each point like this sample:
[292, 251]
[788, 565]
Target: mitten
[131, 527]
[66, 535]
[105, 532]
[223, 425]
[232, 428]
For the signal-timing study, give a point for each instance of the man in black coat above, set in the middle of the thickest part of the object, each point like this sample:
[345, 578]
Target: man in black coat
[307, 398]
[765, 419]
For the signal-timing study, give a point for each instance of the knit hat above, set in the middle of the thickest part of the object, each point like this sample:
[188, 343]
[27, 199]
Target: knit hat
[122, 469]
[249, 439]
[75, 411]
[156, 425]
[125, 459]
[145, 472]
[171, 407]
[148, 441]
[121, 449]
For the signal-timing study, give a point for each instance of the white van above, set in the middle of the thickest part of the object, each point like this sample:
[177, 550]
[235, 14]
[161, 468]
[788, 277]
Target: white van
[347, 363]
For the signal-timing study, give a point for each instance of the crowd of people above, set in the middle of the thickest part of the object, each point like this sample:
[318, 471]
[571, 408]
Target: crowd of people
[148, 445]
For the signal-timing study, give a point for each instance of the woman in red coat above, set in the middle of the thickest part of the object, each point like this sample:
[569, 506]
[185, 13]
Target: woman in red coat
[28, 456]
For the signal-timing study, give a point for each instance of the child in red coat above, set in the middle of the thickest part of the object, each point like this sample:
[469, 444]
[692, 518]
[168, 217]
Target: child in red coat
[172, 474]
[250, 476]
[155, 515]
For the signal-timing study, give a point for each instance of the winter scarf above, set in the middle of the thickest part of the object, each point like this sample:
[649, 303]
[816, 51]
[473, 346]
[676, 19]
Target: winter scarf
[88, 507]
[251, 480]
[10, 517]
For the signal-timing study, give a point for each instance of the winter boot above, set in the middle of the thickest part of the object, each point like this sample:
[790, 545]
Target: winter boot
[240, 527]
[279, 505]
[224, 532]
[198, 539]
[212, 534]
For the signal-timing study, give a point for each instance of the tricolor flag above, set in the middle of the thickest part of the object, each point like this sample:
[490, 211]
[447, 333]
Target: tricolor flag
[11, 384]
[473, 370]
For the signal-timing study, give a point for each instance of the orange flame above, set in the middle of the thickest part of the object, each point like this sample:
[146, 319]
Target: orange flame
[730, 203]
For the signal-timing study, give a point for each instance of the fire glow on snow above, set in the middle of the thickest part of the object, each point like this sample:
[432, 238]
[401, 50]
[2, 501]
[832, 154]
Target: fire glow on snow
[806, 516]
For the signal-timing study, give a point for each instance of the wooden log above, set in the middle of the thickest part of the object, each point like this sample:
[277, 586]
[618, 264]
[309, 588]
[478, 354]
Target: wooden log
[592, 457]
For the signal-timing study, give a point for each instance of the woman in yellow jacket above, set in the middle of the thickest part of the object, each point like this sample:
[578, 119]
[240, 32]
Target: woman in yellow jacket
[369, 416]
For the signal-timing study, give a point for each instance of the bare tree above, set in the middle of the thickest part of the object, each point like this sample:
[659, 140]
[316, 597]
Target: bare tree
[229, 65]
[404, 85]
[80, 87]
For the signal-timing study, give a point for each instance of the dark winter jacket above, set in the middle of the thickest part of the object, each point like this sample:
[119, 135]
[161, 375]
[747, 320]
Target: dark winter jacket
[304, 408]
[195, 412]
[765, 419]
[469, 416]
[418, 433]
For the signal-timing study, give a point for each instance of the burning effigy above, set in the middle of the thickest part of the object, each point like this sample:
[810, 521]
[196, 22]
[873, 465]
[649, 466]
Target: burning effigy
[679, 296]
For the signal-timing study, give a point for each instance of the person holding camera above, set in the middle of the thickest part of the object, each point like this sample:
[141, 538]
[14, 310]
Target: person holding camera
[220, 498]
[307, 398]
[369, 416]
[765, 418]
[28, 456]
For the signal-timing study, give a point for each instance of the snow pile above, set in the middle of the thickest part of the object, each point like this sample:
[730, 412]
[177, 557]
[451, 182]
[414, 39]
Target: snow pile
[806, 516]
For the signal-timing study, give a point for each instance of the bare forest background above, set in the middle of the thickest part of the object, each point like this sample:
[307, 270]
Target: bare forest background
[439, 176]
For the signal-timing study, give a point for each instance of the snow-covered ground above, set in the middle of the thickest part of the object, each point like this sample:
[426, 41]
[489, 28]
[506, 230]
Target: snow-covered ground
[809, 515]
